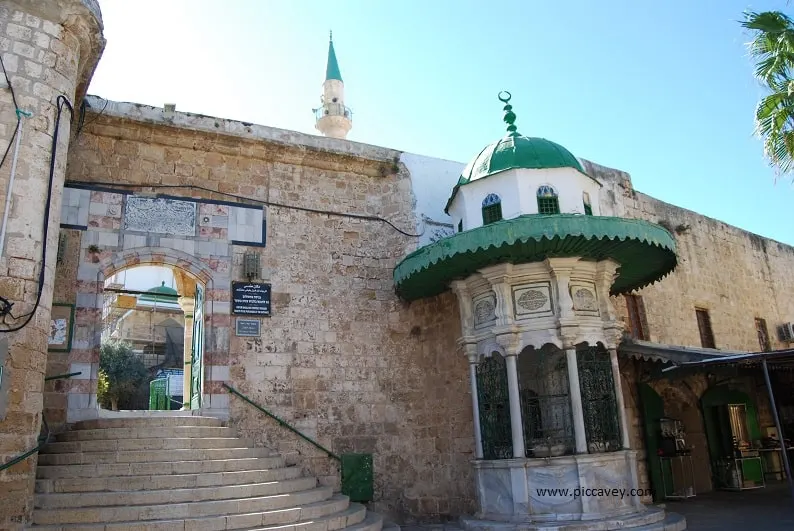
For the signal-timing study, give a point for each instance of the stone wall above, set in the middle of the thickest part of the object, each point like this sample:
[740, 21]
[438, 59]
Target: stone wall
[734, 274]
[341, 358]
[48, 48]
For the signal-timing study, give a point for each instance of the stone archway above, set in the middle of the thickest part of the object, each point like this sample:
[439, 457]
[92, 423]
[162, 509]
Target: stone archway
[82, 400]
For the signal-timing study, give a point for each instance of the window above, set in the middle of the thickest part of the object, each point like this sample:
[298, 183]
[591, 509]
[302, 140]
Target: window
[704, 327]
[460, 226]
[491, 209]
[588, 210]
[638, 324]
[548, 203]
[763, 334]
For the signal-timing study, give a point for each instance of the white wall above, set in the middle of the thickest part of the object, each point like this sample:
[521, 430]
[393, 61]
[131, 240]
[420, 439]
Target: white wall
[432, 181]
[518, 192]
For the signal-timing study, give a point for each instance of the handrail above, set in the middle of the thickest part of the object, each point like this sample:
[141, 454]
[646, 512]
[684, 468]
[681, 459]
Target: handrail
[61, 376]
[43, 439]
[281, 422]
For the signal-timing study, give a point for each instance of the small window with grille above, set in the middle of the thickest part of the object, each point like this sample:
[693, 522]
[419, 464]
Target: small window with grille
[548, 202]
[704, 327]
[763, 334]
[588, 210]
[460, 226]
[638, 323]
[491, 209]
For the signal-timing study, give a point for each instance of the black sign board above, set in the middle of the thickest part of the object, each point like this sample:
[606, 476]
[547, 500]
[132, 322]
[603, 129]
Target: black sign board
[247, 327]
[250, 298]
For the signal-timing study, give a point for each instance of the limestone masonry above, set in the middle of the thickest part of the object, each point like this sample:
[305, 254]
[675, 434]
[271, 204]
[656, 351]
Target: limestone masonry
[341, 357]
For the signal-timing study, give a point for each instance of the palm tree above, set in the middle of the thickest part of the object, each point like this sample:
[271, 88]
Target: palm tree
[772, 49]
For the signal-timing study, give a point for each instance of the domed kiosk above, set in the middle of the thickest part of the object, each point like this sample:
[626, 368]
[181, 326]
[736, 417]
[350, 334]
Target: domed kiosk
[533, 265]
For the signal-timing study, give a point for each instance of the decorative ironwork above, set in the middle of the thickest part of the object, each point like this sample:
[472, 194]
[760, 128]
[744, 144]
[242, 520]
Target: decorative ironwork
[491, 209]
[584, 300]
[494, 403]
[548, 201]
[545, 402]
[599, 403]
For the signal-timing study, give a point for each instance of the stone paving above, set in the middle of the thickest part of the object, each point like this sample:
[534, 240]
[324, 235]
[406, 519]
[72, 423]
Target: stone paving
[767, 509]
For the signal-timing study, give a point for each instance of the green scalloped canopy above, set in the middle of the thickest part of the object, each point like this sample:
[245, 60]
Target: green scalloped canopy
[512, 152]
[645, 251]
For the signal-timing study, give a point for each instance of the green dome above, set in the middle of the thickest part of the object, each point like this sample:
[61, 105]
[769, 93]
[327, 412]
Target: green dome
[160, 293]
[518, 151]
[515, 151]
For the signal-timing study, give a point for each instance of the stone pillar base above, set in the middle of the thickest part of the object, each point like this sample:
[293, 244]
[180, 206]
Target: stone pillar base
[584, 492]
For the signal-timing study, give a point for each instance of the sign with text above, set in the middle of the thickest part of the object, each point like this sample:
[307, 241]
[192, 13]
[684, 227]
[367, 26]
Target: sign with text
[247, 327]
[250, 298]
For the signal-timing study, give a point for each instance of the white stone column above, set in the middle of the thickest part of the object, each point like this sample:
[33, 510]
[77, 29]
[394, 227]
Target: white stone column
[515, 405]
[624, 427]
[188, 306]
[576, 402]
[475, 406]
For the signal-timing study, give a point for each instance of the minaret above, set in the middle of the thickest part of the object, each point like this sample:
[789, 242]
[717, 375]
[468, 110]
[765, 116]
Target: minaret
[333, 118]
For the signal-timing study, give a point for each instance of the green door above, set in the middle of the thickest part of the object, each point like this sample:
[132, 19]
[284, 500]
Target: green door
[652, 411]
[197, 355]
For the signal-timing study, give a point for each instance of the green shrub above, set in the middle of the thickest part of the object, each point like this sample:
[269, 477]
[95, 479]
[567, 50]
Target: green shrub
[123, 370]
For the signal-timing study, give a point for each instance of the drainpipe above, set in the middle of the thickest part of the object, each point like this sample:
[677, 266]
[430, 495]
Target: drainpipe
[20, 114]
[781, 436]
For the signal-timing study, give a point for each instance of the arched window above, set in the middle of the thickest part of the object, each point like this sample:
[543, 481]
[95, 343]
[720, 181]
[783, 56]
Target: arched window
[491, 209]
[588, 210]
[599, 403]
[548, 203]
[460, 226]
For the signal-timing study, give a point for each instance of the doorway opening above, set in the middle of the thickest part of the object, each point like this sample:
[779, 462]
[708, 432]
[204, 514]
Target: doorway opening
[152, 340]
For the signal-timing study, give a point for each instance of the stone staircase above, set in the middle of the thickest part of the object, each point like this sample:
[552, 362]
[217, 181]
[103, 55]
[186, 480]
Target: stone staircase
[180, 473]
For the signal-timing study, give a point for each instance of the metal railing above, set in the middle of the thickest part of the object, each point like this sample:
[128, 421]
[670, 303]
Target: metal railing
[333, 109]
[281, 422]
[43, 438]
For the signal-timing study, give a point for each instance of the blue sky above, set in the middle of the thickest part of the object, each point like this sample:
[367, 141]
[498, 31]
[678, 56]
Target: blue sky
[663, 90]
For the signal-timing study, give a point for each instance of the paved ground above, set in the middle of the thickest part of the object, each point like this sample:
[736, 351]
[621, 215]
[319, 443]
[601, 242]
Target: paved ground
[768, 509]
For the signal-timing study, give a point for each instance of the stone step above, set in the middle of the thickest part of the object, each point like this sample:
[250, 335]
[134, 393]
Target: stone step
[157, 482]
[188, 495]
[145, 432]
[330, 515]
[151, 456]
[232, 514]
[163, 468]
[125, 445]
[148, 421]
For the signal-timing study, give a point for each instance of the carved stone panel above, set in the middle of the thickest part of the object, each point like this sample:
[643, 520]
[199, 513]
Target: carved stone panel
[533, 300]
[160, 215]
[484, 309]
[584, 298]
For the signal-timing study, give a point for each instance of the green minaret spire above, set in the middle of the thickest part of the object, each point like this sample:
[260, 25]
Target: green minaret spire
[332, 70]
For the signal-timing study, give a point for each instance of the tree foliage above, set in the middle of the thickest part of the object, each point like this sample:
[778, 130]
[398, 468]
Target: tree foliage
[772, 50]
[123, 371]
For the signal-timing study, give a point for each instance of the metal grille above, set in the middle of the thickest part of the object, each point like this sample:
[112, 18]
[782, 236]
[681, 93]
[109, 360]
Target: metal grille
[599, 404]
[548, 205]
[545, 402]
[494, 403]
[491, 213]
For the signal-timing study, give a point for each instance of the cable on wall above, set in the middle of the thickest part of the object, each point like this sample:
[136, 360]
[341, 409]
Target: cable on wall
[60, 102]
[249, 199]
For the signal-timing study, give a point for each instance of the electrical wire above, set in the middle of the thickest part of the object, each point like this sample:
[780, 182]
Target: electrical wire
[257, 201]
[82, 123]
[60, 102]
[16, 108]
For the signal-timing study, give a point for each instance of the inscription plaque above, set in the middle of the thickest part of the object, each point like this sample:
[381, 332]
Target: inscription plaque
[161, 215]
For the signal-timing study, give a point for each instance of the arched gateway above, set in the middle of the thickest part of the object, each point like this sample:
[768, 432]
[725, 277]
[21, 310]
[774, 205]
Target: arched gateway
[540, 332]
